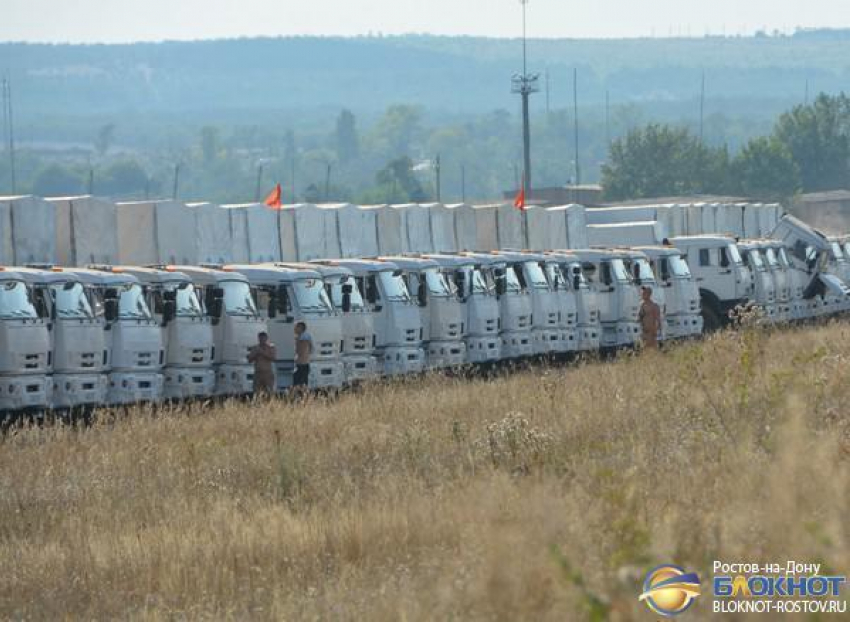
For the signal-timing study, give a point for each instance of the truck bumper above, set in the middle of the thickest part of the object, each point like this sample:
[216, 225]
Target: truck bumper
[401, 360]
[517, 345]
[188, 382]
[683, 326]
[545, 340]
[234, 380]
[619, 334]
[25, 392]
[70, 390]
[483, 349]
[588, 338]
[359, 367]
[443, 354]
[134, 387]
[567, 339]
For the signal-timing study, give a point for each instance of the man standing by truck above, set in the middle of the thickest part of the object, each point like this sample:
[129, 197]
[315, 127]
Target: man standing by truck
[650, 319]
[303, 351]
[263, 356]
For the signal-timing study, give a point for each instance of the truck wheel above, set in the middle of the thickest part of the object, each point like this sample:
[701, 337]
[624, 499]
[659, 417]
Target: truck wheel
[711, 319]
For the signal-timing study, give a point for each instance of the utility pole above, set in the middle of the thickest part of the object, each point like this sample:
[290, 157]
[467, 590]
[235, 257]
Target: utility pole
[525, 84]
[10, 125]
[462, 183]
[327, 181]
[806, 100]
[607, 120]
[437, 171]
[575, 132]
[292, 165]
[547, 92]
[259, 188]
[702, 110]
[91, 180]
[176, 181]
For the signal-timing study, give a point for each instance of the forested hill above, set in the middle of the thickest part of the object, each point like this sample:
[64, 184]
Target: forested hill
[451, 74]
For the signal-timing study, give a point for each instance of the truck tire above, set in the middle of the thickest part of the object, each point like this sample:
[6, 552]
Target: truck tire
[711, 318]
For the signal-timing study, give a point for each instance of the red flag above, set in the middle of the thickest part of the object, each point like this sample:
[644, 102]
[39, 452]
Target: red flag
[519, 201]
[273, 200]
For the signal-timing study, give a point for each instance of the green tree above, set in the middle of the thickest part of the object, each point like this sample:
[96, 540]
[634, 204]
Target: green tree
[765, 170]
[396, 183]
[209, 144]
[818, 138]
[346, 138]
[397, 130]
[103, 140]
[124, 178]
[57, 180]
[660, 160]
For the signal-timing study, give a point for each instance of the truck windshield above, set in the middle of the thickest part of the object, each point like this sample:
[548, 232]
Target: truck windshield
[755, 258]
[511, 281]
[783, 258]
[836, 252]
[311, 296]
[535, 275]
[847, 248]
[188, 304]
[437, 285]
[336, 293]
[619, 270]
[734, 254]
[15, 301]
[553, 273]
[238, 299]
[644, 270]
[71, 301]
[479, 282]
[582, 280]
[678, 266]
[131, 303]
[394, 287]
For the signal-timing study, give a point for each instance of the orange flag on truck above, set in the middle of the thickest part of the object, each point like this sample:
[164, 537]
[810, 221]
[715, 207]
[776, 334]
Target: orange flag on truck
[273, 200]
[519, 201]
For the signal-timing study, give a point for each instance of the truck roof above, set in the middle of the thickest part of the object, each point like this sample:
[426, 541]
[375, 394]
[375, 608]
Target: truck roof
[206, 275]
[7, 274]
[327, 270]
[52, 275]
[103, 276]
[711, 241]
[411, 263]
[156, 275]
[520, 255]
[658, 251]
[270, 273]
[452, 261]
[485, 259]
[370, 266]
[597, 254]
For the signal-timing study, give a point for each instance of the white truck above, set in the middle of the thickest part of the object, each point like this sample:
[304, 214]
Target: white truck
[588, 328]
[765, 287]
[809, 253]
[640, 270]
[682, 318]
[799, 307]
[479, 303]
[515, 307]
[616, 295]
[286, 296]
[567, 303]
[136, 353]
[724, 282]
[77, 341]
[781, 280]
[236, 322]
[25, 355]
[398, 326]
[358, 322]
[187, 332]
[545, 319]
[441, 313]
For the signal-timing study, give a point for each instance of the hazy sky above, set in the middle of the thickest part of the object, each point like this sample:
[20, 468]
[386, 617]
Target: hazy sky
[152, 20]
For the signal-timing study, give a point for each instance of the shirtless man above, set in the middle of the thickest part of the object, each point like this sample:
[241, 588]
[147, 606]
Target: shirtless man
[303, 352]
[263, 356]
[650, 319]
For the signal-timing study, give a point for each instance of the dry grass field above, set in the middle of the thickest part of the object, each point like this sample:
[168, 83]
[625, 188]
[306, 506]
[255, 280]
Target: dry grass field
[544, 495]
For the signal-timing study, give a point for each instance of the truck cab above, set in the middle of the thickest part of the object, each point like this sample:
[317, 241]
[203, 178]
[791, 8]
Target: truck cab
[765, 287]
[133, 337]
[839, 265]
[398, 325]
[723, 280]
[588, 328]
[682, 318]
[25, 354]
[358, 322]
[559, 282]
[809, 251]
[77, 338]
[616, 294]
[477, 297]
[515, 307]
[800, 308]
[545, 319]
[187, 332]
[443, 324]
[286, 296]
[229, 302]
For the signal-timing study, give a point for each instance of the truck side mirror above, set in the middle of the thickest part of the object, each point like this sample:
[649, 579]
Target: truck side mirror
[576, 282]
[501, 285]
[282, 299]
[110, 309]
[371, 290]
[724, 258]
[346, 297]
[215, 308]
[422, 292]
[460, 281]
[665, 270]
[169, 311]
[271, 311]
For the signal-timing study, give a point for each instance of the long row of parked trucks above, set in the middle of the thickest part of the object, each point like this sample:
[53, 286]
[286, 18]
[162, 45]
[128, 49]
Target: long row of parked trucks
[80, 338]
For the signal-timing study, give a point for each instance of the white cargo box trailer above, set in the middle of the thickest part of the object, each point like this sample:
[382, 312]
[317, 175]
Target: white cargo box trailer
[486, 227]
[86, 231]
[27, 230]
[156, 232]
[213, 233]
[626, 234]
[443, 235]
[238, 218]
[466, 233]
[510, 226]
